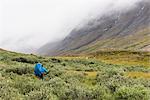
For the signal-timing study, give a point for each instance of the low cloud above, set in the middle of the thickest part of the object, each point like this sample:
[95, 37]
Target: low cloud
[28, 24]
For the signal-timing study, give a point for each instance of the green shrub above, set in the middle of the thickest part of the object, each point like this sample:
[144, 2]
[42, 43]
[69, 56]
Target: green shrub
[21, 70]
[25, 60]
[72, 77]
[77, 92]
[9, 93]
[101, 93]
[58, 86]
[25, 86]
[42, 94]
[132, 93]
[54, 60]
[54, 72]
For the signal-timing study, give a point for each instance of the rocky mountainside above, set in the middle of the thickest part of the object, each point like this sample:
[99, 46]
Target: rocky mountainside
[129, 30]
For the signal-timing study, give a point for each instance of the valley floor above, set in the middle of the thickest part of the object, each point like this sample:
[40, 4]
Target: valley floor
[100, 76]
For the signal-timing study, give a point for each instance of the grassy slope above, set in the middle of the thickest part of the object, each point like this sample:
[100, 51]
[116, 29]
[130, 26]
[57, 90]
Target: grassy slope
[140, 58]
[79, 78]
[136, 41]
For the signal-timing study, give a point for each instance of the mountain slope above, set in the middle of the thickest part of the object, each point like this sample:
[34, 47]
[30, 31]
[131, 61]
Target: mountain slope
[118, 30]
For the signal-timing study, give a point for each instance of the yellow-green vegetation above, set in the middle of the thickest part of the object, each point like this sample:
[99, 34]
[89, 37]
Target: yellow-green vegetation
[138, 74]
[140, 58]
[71, 78]
[91, 74]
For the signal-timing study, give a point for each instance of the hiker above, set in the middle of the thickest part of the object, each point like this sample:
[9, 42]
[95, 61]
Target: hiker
[40, 71]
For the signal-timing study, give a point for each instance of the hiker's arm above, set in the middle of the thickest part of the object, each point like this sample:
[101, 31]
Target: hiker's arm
[45, 70]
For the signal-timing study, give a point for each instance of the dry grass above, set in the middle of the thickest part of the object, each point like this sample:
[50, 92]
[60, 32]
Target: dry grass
[138, 74]
[119, 57]
[124, 57]
[70, 58]
[91, 74]
[126, 62]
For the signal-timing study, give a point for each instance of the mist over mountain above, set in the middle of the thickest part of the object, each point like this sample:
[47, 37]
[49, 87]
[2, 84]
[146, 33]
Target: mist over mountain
[123, 29]
[26, 25]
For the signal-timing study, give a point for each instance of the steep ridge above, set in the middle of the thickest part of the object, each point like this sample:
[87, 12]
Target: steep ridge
[118, 30]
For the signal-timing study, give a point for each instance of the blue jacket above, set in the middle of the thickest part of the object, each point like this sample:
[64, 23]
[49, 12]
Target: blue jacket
[39, 69]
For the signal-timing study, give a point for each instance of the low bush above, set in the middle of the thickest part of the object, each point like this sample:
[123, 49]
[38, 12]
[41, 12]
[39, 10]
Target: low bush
[9, 93]
[25, 60]
[54, 60]
[21, 70]
[42, 94]
[132, 93]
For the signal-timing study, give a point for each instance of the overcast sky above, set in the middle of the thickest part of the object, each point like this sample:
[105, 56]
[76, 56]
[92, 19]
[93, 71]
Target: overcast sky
[29, 24]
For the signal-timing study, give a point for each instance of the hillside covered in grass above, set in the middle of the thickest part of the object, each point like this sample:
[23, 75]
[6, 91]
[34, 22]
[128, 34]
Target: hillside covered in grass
[123, 57]
[71, 78]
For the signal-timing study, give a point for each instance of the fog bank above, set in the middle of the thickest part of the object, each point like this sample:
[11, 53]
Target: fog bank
[26, 25]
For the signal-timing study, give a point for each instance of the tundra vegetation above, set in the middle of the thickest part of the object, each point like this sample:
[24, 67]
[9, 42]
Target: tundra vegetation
[75, 78]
